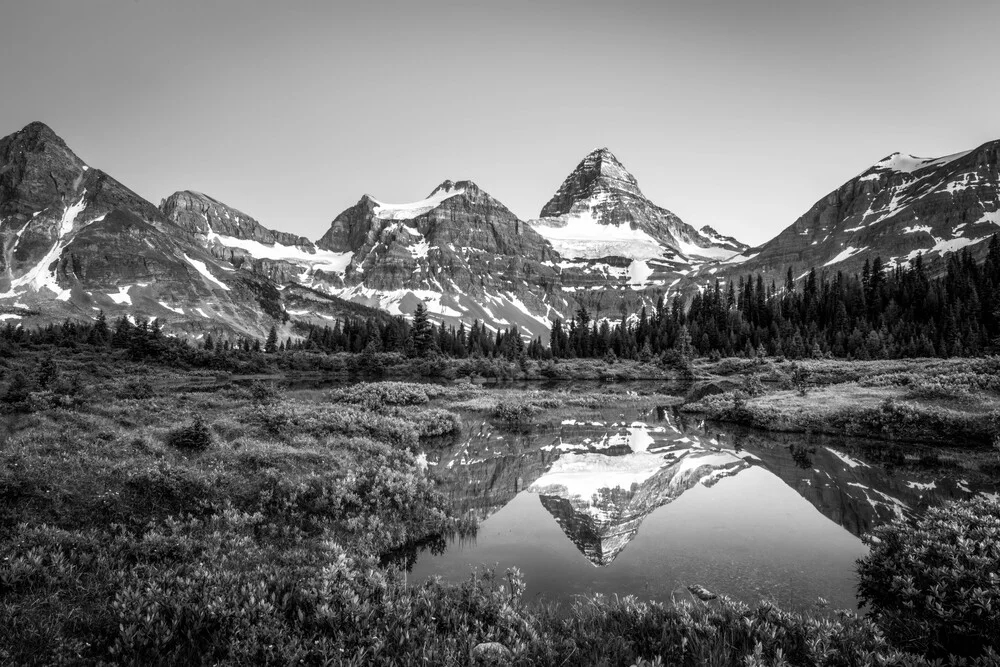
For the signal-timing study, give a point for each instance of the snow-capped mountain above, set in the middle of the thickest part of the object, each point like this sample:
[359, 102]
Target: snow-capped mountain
[599, 212]
[460, 251]
[898, 208]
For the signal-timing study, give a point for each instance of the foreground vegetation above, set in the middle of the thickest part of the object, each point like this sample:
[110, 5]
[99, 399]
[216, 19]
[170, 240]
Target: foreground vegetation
[143, 524]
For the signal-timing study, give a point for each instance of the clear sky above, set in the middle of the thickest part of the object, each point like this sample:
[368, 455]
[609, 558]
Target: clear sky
[735, 113]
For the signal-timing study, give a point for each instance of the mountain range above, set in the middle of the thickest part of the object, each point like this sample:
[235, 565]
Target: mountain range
[75, 241]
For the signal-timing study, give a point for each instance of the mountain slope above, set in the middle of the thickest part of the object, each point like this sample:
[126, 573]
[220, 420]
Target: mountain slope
[899, 207]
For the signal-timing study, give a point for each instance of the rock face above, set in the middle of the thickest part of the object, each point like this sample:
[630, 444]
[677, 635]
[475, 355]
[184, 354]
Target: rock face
[899, 207]
[459, 250]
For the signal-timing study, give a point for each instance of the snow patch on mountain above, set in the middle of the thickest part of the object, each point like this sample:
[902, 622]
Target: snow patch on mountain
[846, 253]
[639, 272]
[582, 235]
[320, 260]
[711, 253]
[203, 270]
[40, 276]
[953, 245]
[907, 164]
[385, 211]
[122, 296]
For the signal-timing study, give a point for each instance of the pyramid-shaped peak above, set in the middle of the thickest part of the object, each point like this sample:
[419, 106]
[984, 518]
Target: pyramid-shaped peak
[36, 133]
[599, 172]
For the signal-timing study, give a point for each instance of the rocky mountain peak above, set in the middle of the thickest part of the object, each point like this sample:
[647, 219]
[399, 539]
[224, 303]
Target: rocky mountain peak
[600, 174]
[448, 186]
[199, 213]
[37, 133]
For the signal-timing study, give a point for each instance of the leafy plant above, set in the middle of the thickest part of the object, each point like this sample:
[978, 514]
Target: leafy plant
[933, 586]
[196, 436]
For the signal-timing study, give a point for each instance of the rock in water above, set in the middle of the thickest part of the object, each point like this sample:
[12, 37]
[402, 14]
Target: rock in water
[702, 593]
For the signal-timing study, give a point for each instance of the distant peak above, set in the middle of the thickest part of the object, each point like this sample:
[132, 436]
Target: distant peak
[449, 186]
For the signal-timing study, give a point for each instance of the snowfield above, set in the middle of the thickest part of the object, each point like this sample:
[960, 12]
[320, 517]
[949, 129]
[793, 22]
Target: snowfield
[384, 211]
[320, 260]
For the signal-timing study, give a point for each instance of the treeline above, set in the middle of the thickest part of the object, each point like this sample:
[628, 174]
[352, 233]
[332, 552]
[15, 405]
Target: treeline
[144, 340]
[419, 338]
[883, 313]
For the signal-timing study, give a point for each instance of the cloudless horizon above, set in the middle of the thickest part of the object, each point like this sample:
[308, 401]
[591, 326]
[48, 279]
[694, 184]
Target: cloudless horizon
[739, 114]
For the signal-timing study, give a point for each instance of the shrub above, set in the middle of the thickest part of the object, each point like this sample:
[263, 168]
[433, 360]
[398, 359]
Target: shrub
[195, 436]
[752, 385]
[134, 388]
[376, 395]
[263, 392]
[934, 586]
[432, 422]
[514, 416]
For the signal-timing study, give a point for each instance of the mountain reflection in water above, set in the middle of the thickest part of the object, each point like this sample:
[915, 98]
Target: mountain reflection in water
[653, 501]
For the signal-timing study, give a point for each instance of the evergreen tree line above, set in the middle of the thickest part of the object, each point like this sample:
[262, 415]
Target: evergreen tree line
[883, 313]
[419, 338]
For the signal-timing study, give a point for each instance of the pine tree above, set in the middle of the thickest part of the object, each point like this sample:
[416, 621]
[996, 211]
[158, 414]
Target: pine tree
[422, 332]
[271, 346]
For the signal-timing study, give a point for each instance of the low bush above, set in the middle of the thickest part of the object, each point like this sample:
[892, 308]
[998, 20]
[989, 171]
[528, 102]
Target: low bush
[134, 389]
[933, 586]
[513, 416]
[376, 395]
[430, 422]
[196, 436]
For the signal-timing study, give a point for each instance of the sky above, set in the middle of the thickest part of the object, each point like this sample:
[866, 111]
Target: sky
[739, 114]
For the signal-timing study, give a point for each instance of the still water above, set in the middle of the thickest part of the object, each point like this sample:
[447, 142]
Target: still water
[649, 502]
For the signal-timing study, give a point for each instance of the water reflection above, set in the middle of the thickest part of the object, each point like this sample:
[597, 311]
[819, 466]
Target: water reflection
[748, 512]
